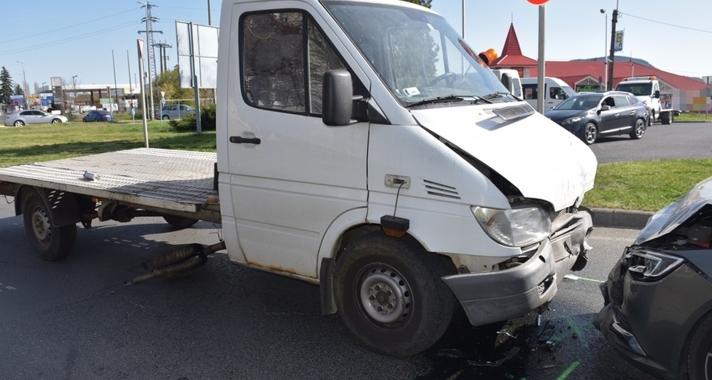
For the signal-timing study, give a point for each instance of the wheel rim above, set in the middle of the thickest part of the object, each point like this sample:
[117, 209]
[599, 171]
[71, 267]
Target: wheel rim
[385, 294]
[19, 123]
[590, 133]
[55, 121]
[639, 128]
[41, 225]
[708, 366]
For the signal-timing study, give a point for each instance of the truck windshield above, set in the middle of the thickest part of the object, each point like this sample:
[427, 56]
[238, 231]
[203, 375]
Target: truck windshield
[637, 89]
[416, 53]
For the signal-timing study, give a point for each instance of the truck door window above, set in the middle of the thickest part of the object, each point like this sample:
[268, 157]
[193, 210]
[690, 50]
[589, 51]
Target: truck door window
[273, 61]
[285, 57]
[530, 91]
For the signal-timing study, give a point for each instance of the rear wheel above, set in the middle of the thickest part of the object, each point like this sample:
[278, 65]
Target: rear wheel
[699, 363]
[638, 130]
[390, 294]
[19, 123]
[53, 243]
[56, 121]
[590, 133]
[179, 223]
[165, 117]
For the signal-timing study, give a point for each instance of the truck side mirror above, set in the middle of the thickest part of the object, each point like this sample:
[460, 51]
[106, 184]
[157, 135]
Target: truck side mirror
[507, 81]
[337, 98]
[657, 94]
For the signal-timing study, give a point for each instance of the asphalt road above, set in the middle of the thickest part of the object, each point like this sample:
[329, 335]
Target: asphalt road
[679, 140]
[76, 319]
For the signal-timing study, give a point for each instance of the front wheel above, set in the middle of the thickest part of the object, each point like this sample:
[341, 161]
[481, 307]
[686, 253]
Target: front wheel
[19, 123]
[390, 294]
[590, 133]
[53, 243]
[638, 130]
[699, 363]
[56, 121]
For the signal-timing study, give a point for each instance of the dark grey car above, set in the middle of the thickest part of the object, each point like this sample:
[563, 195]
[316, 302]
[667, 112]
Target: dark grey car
[658, 297]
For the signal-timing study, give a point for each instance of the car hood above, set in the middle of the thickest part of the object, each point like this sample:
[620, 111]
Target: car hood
[561, 115]
[537, 156]
[678, 212]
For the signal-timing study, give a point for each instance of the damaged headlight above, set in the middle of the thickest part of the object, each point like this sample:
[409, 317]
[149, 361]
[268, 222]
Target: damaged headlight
[516, 227]
[649, 265]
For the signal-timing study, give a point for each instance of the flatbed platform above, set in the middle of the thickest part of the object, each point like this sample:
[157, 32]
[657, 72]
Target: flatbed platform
[155, 179]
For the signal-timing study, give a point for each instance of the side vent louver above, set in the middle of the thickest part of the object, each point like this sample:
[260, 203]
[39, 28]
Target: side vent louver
[440, 190]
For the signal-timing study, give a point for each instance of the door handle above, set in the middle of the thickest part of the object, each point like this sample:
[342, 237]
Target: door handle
[245, 140]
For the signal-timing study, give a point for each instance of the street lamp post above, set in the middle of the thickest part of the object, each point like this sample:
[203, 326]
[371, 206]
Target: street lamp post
[605, 49]
[74, 89]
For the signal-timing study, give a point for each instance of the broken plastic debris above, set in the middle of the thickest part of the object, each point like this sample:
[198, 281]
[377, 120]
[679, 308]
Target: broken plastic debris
[89, 176]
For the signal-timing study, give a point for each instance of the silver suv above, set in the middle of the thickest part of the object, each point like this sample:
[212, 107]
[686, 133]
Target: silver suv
[176, 111]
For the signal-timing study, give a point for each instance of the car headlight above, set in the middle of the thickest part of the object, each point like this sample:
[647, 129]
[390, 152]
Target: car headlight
[572, 120]
[516, 227]
[649, 265]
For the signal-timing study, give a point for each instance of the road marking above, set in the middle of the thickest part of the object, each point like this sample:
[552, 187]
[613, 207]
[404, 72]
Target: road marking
[567, 372]
[573, 277]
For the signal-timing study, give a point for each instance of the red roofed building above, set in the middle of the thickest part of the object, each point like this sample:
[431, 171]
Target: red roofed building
[587, 75]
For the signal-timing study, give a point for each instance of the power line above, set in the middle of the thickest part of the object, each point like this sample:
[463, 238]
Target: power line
[95, 33]
[668, 24]
[11, 39]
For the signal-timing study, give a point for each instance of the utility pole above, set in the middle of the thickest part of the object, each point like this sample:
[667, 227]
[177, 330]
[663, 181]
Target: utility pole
[210, 16]
[116, 87]
[605, 49]
[25, 86]
[463, 20]
[128, 63]
[194, 79]
[542, 60]
[149, 19]
[612, 57]
[140, 45]
[163, 55]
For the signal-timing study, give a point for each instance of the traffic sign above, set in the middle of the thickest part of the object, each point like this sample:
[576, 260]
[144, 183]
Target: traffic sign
[538, 2]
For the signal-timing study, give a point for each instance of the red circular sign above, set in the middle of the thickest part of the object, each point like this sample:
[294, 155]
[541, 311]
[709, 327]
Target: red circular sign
[538, 2]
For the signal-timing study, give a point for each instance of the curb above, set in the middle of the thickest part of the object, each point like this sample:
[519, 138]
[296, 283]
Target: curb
[614, 218]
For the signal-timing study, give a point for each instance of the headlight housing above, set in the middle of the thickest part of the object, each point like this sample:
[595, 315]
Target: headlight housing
[649, 265]
[516, 227]
[572, 120]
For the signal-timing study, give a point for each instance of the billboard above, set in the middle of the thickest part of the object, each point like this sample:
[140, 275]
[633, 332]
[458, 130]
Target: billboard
[618, 46]
[204, 51]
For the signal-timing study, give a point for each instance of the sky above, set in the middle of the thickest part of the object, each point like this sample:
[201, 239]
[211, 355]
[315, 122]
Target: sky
[67, 38]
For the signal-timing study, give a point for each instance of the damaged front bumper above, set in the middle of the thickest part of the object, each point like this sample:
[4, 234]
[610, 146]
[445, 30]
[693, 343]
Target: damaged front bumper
[511, 293]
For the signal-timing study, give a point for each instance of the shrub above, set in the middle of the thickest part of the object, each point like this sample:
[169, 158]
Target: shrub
[187, 124]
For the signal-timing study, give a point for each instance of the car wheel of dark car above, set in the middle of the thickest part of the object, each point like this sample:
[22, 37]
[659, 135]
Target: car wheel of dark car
[638, 130]
[590, 133]
[699, 362]
[165, 117]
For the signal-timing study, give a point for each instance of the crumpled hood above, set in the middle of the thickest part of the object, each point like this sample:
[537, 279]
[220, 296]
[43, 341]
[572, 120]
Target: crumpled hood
[543, 160]
[676, 213]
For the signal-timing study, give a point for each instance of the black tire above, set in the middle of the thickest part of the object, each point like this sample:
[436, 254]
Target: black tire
[56, 121]
[51, 242]
[19, 123]
[666, 118]
[405, 287]
[638, 129]
[179, 223]
[165, 117]
[590, 133]
[699, 357]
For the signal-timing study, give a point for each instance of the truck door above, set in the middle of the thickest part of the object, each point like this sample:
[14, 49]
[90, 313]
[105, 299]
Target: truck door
[291, 175]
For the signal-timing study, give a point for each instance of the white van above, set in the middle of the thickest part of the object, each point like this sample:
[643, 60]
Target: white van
[362, 147]
[556, 91]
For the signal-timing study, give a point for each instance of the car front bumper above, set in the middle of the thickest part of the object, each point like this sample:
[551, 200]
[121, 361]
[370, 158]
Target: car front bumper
[511, 293]
[650, 322]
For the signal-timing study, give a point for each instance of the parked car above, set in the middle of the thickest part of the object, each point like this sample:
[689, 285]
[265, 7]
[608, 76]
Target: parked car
[18, 119]
[97, 115]
[591, 115]
[176, 111]
[658, 297]
[556, 91]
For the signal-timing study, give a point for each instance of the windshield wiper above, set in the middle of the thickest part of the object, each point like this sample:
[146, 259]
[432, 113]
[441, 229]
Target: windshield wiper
[449, 99]
[498, 94]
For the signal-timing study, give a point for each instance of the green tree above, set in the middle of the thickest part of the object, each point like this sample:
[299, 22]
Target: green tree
[5, 86]
[169, 82]
[18, 90]
[425, 3]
